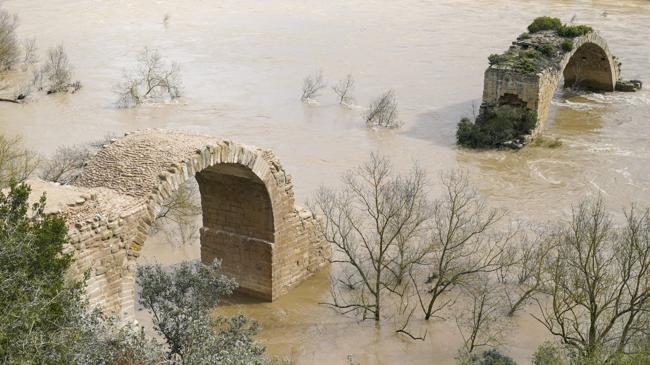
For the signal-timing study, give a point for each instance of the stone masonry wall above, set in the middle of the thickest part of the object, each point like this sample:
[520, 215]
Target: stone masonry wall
[252, 224]
[593, 63]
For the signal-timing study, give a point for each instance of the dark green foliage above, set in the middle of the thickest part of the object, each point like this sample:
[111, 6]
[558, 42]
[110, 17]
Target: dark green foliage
[567, 45]
[489, 357]
[524, 35]
[44, 319]
[563, 30]
[34, 296]
[550, 354]
[544, 23]
[179, 296]
[547, 49]
[532, 54]
[572, 31]
[500, 125]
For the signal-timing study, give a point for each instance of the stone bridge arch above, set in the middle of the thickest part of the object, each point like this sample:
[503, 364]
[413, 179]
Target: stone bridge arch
[250, 220]
[589, 64]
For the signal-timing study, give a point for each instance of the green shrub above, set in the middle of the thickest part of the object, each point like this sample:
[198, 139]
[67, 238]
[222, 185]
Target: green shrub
[496, 127]
[499, 59]
[544, 23]
[567, 45]
[533, 54]
[525, 65]
[524, 35]
[489, 357]
[572, 31]
[547, 49]
[549, 354]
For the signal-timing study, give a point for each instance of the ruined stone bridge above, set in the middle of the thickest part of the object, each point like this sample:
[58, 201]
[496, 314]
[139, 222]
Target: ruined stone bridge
[587, 64]
[249, 218]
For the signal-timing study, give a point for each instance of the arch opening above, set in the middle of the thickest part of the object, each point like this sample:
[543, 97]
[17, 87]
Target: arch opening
[238, 226]
[589, 68]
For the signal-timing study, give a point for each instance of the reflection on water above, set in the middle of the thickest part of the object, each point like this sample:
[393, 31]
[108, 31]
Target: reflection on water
[243, 62]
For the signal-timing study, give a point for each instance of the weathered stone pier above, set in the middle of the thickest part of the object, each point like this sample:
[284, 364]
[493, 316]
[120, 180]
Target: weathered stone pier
[528, 78]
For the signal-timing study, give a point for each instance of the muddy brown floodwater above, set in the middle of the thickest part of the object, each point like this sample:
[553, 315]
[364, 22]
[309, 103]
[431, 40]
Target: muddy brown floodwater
[242, 67]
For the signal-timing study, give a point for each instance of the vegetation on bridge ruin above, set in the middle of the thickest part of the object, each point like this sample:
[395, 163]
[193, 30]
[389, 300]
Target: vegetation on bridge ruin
[546, 41]
[503, 126]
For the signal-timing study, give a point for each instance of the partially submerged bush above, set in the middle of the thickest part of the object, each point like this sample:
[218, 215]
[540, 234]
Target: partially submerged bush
[153, 79]
[502, 126]
[544, 23]
[567, 45]
[57, 71]
[383, 111]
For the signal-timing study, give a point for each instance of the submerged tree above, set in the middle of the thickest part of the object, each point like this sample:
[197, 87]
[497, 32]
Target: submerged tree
[374, 223]
[463, 244]
[154, 79]
[344, 90]
[382, 112]
[312, 85]
[599, 284]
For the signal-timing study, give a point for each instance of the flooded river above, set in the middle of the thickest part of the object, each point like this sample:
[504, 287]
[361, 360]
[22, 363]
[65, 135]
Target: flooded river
[242, 64]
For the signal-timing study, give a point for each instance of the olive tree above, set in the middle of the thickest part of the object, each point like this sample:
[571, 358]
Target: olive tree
[154, 79]
[599, 283]
[374, 223]
[180, 300]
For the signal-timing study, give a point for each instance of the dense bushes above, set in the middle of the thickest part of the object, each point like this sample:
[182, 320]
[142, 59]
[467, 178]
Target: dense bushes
[567, 45]
[489, 357]
[544, 23]
[496, 128]
[563, 30]
[572, 31]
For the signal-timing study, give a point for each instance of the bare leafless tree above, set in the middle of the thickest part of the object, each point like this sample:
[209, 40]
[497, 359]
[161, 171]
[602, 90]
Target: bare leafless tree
[481, 323]
[66, 164]
[599, 295]
[344, 90]
[367, 221]
[312, 85]
[9, 48]
[521, 273]
[154, 79]
[178, 214]
[68, 161]
[57, 72]
[464, 243]
[16, 162]
[30, 52]
[382, 112]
